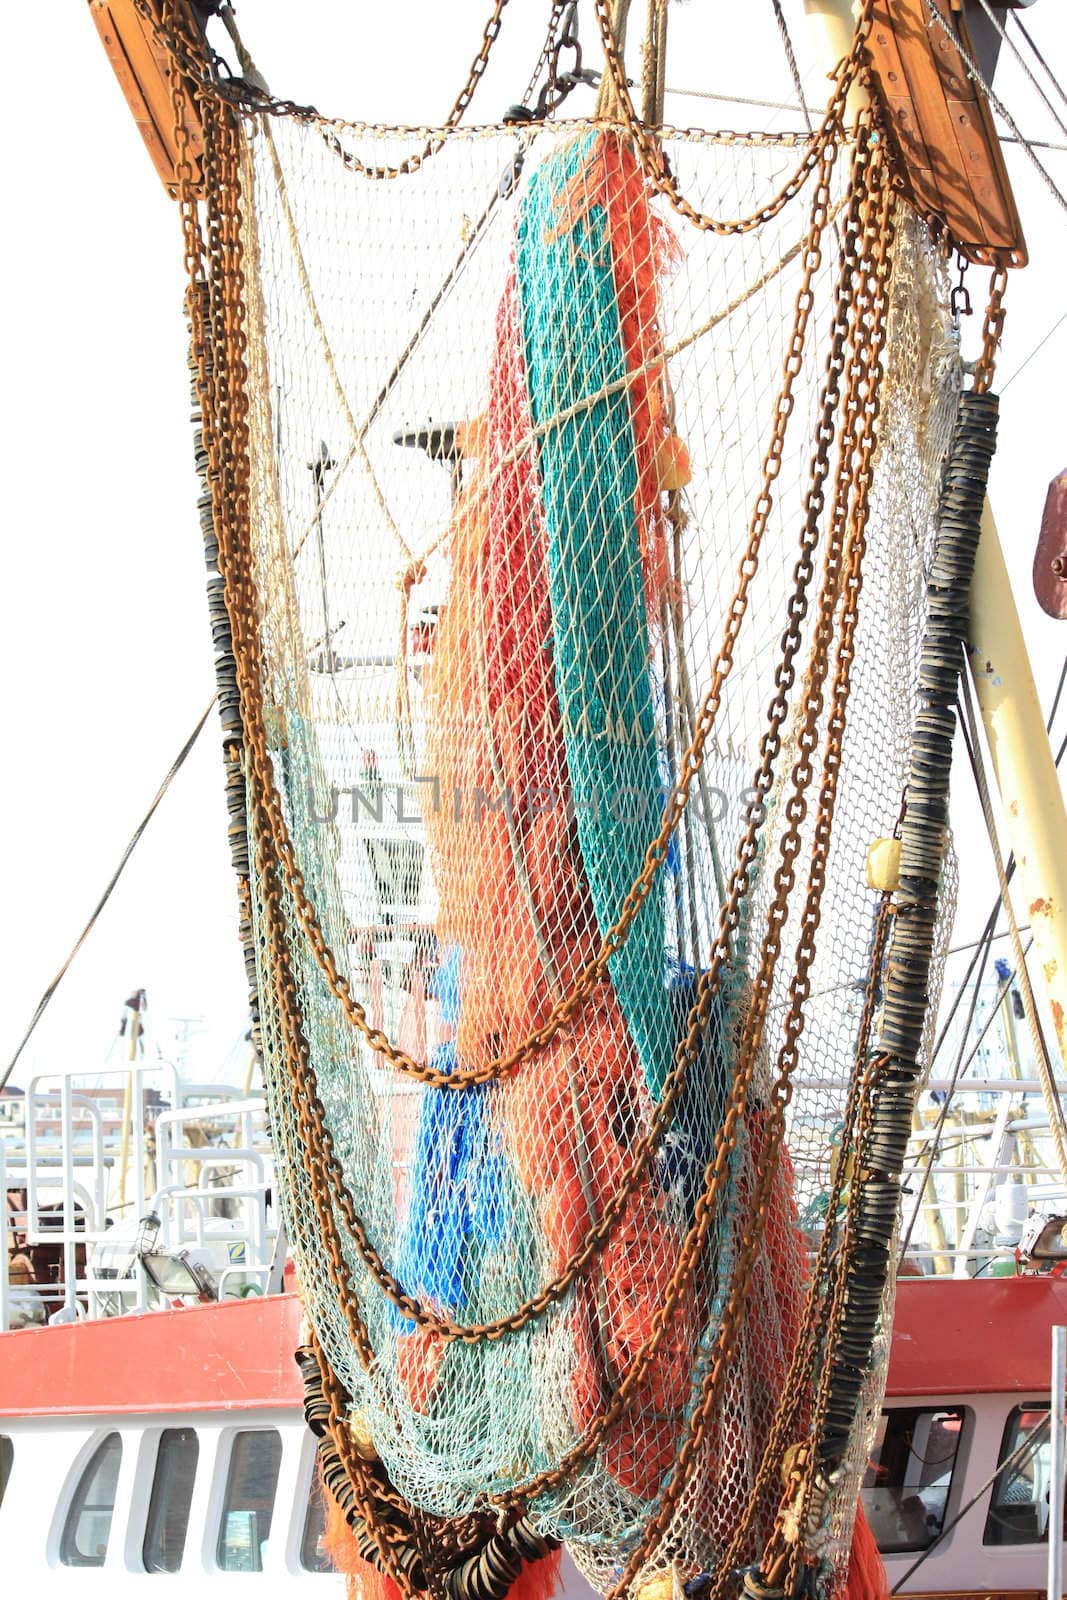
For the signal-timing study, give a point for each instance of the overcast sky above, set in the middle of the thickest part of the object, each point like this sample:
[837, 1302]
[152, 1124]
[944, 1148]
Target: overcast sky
[103, 630]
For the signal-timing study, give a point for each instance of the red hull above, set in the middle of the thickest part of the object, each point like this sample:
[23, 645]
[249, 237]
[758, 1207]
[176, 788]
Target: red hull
[970, 1336]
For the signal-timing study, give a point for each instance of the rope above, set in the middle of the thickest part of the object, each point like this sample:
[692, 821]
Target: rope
[790, 56]
[135, 837]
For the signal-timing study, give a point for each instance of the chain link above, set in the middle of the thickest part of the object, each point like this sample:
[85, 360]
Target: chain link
[649, 148]
[865, 257]
[187, 52]
[992, 329]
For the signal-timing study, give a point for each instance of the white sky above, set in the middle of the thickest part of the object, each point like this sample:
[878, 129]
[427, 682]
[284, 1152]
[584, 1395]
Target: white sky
[104, 640]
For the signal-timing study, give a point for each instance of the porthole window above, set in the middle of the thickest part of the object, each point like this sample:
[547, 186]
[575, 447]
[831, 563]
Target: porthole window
[248, 1505]
[7, 1456]
[88, 1526]
[172, 1496]
[907, 1482]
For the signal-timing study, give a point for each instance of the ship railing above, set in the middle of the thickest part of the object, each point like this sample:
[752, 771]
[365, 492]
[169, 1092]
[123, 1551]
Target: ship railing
[185, 1215]
[247, 1166]
[92, 1171]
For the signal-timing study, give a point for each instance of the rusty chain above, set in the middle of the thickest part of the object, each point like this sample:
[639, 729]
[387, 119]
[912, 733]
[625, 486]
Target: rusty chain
[221, 388]
[567, 1006]
[315, 1135]
[412, 163]
[649, 148]
[356, 1471]
[820, 157]
[644, 1150]
[865, 258]
[992, 328]
[168, 27]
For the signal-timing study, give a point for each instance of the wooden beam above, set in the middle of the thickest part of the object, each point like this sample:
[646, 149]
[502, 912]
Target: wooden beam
[949, 159]
[143, 67]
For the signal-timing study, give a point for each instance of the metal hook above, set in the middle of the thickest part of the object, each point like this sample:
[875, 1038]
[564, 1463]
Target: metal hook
[960, 299]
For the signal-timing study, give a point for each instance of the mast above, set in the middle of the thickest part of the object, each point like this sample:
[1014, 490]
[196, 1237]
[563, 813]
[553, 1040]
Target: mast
[1032, 800]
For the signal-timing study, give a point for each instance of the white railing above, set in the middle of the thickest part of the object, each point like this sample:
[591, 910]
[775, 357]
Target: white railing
[92, 1178]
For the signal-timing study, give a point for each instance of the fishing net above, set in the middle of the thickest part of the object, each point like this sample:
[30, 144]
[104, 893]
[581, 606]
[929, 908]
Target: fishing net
[571, 553]
[509, 424]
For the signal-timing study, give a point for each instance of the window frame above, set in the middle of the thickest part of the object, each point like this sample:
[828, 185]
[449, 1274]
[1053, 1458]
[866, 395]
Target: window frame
[73, 1503]
[925, 1406]
[147, 1530]
[216, 1531]
[1006, 1448]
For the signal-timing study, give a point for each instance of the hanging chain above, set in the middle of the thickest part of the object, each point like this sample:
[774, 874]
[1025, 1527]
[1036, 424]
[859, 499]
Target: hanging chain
[648, 147]
[324, 1172]
[566, 1008]
[645, 1148]
[992, 329]
[865, 267]
[187, 54]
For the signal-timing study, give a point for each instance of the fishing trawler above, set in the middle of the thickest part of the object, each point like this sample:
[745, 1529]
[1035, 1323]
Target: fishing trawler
[529, 1139]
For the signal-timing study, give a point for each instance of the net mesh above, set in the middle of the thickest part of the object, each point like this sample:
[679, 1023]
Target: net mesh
[508, 425]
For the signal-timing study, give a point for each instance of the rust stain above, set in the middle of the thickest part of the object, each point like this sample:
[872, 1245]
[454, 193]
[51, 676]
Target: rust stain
[1040, 907]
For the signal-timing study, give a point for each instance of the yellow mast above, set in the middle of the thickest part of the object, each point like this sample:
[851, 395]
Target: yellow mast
[1034, 813]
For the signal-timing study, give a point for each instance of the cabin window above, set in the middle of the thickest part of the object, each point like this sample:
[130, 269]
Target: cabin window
[7, 1455]
[172, 1495]
[313, 1555]
[1018, 1507]
[909, 1475]
[248, 1505]
[88, 1525]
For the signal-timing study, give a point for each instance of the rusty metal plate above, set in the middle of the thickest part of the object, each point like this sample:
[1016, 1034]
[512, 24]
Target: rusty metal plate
[1050, 557]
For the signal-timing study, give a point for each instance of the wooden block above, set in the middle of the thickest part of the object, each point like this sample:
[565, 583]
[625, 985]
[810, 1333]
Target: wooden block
[949, 159]
[142, 66]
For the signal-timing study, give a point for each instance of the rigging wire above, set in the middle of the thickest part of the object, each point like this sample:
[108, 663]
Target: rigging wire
[790, 105]
[939, 1125]
[1017, 53]
[1056, 84]
[135, 837]
[1059, 690]
[988, 933]
[1060, 320]
[974, 752]
[791, 59]
[980, 960]
[974, 72]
